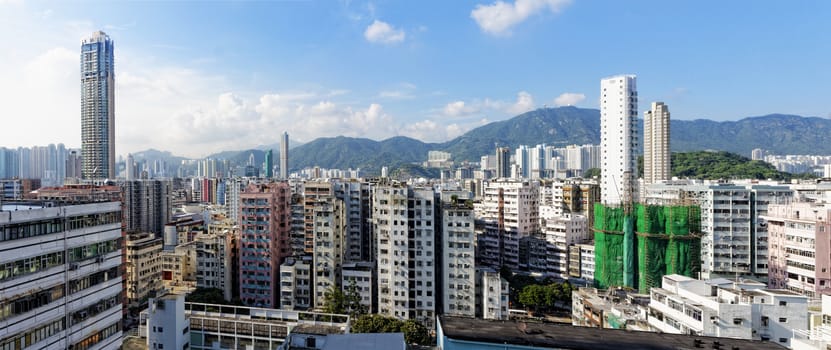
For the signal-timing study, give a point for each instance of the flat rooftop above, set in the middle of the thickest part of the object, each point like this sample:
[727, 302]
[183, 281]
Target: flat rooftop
[562, 336]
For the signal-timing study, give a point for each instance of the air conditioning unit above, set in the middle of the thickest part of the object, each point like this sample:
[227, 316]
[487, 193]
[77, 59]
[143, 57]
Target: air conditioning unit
[100, 259]
[73, 266]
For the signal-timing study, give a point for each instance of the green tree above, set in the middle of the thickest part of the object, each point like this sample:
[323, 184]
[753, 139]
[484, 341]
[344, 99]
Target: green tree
[376, 324]
[590, 173]
[533, 296]
[415, 333]
[207, 296]
[352, 300]
[334, 301]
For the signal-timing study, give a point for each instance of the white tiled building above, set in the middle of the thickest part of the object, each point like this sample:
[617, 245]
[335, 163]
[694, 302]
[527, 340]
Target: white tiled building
[60, 275]
[362, 274]
[508, 212]
[458, 270]
[492, 293]
[725, 308]
[404, 221]
[328, 247]
[563, 232]
[618, 138]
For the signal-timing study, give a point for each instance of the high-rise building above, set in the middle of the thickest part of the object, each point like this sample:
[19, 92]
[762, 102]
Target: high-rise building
[404, 222]
[61, 274]
[265, 224]
[97, 107]
[508, 212]
[656, 161]
[458, 269]
[284, 156]
[503, 162]
[269, 164]
[618, 138]
[147, 205]
[130, 168]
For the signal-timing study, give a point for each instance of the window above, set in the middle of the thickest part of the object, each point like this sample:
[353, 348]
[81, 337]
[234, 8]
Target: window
[783, 340]
[783, 303]
[783, 319]
[737, 321]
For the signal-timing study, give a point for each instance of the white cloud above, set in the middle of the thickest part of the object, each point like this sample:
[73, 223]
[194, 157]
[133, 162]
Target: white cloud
[459, 108]
[569, 99]
[524, 103]
[383, 33]
[499, 17]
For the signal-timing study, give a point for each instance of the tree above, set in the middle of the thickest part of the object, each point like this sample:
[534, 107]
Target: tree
[333, 301]
[415, 333]
[352, 300]
[207, 296]
[590, 173]
[376, 324]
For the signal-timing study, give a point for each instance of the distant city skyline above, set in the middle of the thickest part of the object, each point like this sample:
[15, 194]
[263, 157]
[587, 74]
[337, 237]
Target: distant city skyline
[233, 75]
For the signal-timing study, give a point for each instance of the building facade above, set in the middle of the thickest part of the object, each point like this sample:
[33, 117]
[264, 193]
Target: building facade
[458, 267]
[726, 308]
[265, 224]
[97, 107]
[60, 275]
[798, 235]
[656, 161]
[618, 138]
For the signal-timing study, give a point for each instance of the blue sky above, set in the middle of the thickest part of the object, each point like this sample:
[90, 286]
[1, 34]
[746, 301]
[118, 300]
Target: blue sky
[197, 77]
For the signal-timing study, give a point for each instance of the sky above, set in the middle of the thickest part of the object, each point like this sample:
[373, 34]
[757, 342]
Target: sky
[196, 77]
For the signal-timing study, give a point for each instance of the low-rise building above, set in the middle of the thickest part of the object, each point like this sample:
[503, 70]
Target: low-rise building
[295, 284]
[726, 308]
[613, 308]
[492, 292]
[361, 274]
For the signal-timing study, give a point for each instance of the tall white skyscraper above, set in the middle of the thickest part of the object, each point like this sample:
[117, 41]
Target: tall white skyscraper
[656, 161]
[618, 138]
[284, 155]
[97, 107]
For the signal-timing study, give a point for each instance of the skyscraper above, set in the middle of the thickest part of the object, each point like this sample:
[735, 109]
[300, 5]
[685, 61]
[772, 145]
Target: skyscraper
[269, 164]
[618, 138]
[656, 144]
[503, 162]
[97, 107]
[284, 156]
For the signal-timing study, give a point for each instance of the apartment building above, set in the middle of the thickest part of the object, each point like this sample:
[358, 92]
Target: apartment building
[799, 233]
[458, 268]
[143, 266]
[61, 274]
[296, 284]
[726, 308]
[327, 258]
[265, 224]
[404, 223]
[492, 292]
[508, 211]
[734, 237]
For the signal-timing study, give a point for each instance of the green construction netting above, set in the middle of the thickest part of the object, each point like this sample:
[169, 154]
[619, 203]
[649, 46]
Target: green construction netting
[665, 244]
[608, 247]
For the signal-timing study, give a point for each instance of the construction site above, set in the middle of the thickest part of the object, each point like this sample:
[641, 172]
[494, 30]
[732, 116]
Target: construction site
[636, 245]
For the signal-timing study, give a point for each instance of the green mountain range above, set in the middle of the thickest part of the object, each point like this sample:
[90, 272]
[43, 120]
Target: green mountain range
[776, 133]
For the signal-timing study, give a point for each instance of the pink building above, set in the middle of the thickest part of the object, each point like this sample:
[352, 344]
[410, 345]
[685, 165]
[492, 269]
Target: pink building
[796, 232]
[265, 225]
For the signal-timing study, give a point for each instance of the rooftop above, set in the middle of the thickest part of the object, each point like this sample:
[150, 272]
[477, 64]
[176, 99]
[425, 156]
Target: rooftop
[562, 336]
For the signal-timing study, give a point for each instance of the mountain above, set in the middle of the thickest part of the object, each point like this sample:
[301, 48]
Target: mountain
[551, 126]
[347, 152]
[776, 133]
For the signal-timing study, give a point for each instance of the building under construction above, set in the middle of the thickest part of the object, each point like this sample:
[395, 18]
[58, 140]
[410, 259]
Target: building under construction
[636, 246]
